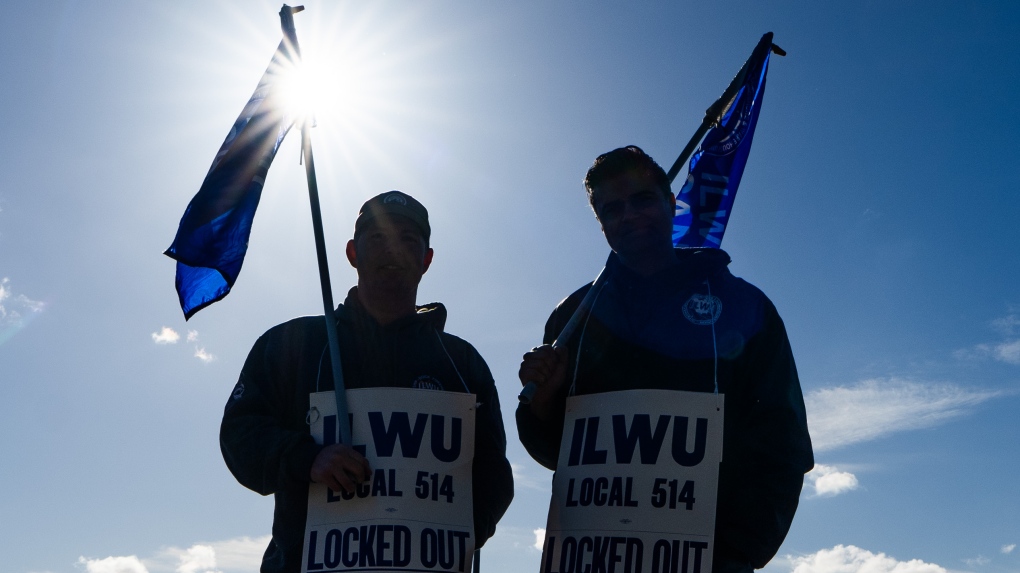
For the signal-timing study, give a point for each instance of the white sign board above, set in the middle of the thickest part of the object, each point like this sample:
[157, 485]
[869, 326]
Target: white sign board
[635, 484]
[415, 513]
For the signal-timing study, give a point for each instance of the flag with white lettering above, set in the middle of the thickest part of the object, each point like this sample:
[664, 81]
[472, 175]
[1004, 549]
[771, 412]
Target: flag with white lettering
[212, 238]
[416, 511]
[636, 482]
[705, 201]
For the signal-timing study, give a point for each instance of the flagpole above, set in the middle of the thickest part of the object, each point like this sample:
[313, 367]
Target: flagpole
[343, 419]
[713, 115]
[715, 112]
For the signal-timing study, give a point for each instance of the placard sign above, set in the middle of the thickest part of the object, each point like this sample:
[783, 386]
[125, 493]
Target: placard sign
[635, 484]
[415, 513]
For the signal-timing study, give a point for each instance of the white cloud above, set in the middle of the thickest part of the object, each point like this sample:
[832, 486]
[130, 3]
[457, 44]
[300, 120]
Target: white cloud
[204, 356]
[539, 538]
[851, 559]
[198, 559]
[166, 335]
[828, 481]
[872, 409]
[129, 564]
[238, 555]
[977, 561]
[1007, 549]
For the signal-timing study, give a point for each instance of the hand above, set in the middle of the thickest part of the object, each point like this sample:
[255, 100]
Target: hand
[547, 368]
[341, 468]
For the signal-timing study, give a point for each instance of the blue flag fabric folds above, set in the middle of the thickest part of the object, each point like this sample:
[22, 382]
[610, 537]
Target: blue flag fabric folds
[705, 201]
[213, 234]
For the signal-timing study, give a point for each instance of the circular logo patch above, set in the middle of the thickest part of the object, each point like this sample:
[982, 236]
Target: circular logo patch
[395, 197]
[703, 309]
[426, 382]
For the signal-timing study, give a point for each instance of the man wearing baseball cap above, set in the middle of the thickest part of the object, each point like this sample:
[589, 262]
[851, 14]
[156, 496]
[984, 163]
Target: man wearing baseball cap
[386, 341]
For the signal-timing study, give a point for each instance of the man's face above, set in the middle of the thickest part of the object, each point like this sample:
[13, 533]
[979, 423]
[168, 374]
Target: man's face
[635, 213]
[390, 253]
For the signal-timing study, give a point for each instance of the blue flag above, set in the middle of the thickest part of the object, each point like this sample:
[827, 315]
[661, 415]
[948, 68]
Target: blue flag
[705, 201]
[213, 235]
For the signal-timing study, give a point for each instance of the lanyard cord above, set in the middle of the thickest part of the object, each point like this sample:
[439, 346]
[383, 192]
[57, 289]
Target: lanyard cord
[715, 349]
[580, 341]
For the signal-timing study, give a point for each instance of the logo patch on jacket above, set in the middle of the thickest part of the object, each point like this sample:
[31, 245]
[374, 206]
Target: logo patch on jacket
[426, 382]
[703, 309]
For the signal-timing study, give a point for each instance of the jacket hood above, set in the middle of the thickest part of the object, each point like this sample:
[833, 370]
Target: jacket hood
[694, 265]
[433, 313]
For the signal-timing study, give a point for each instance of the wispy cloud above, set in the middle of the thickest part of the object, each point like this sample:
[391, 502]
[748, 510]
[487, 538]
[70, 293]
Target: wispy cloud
[192, 336]
[871, 409]
[1008, 352]
[204, 356]
[1008, 325]
[166, 335]
[1007, 549]
[238, 555]
[978, 561]
[828, 481]
[523, 479]
[1005, 350]
[852, 559]
[15, 310]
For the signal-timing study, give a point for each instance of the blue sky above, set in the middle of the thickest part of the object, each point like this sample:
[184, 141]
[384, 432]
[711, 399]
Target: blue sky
[878, 210]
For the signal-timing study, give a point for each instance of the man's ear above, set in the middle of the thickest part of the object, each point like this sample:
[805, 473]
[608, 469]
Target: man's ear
[427, 261]
[352, 254]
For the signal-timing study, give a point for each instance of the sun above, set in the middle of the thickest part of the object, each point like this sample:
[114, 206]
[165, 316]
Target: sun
[308, 91]
[368, 79]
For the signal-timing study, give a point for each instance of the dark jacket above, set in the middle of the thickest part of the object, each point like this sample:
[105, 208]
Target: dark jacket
[266, 442]
[683, 329]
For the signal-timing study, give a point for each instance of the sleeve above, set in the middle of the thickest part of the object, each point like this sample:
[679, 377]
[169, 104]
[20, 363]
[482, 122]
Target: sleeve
[763, 471]
[261, 445]
[493, 482]
[542, 438]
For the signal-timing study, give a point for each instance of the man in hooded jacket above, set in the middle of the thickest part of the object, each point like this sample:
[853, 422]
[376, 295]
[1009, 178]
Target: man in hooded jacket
[677, 319]
[386, 340]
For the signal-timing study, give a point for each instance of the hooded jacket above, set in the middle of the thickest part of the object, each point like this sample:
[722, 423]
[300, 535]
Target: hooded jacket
[266, 442]
[696, 327]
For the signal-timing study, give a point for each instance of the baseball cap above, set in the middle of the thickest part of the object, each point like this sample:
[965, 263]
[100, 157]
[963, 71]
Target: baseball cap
[394, 203]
